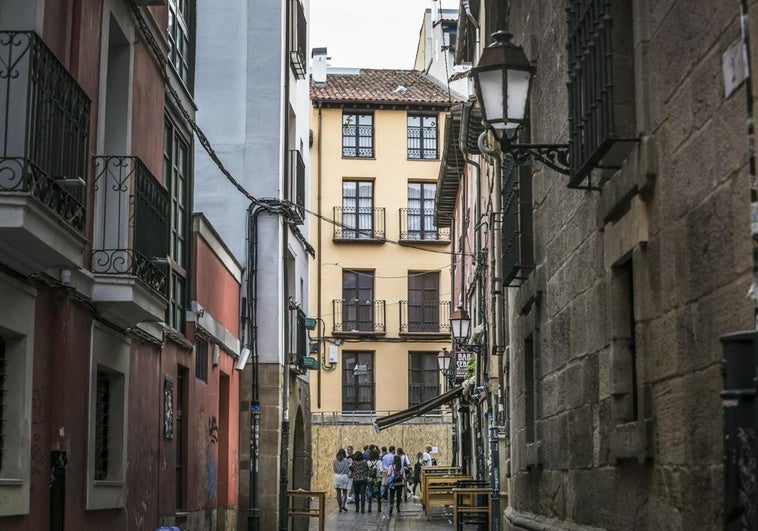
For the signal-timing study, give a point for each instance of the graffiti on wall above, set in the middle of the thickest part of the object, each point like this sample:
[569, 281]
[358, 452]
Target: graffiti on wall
[213, 431]
[168, 408]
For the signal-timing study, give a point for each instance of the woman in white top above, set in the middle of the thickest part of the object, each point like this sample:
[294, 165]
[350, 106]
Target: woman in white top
[341, 467]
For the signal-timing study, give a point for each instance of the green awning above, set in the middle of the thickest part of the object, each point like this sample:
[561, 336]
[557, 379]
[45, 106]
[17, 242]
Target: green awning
[418, 409]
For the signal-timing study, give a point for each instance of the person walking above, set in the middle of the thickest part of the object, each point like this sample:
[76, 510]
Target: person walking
[374, 485]
[360, 478]
[387, 460]
[341, 468]
[406, 464]
[396, 481]
[416, 478]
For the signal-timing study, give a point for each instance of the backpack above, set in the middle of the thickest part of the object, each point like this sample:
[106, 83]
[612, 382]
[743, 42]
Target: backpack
[395, 478]
[372, 470]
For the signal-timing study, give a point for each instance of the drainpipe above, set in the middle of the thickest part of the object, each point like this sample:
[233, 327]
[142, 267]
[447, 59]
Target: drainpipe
[497, 301]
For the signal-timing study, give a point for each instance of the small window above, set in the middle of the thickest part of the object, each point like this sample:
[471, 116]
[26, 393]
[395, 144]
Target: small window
[358, 381]
[180, 14]
[201, 360]
[357, 135]
[103, 413]
[422, 136]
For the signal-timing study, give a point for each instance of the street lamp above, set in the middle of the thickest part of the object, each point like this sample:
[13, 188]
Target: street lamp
[446, 367]
[502, 80]
[460, 325]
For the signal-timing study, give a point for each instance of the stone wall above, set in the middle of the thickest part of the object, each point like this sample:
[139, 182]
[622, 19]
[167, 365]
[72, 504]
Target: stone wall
[412, 438]
[627, 425]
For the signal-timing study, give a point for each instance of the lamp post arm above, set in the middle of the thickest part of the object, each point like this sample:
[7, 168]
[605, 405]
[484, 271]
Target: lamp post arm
[555, 156]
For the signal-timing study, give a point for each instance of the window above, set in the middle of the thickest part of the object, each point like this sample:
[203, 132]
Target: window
[422, 136]
[201, 360]
[623, 344]
[601, 107]
[423, 302]
[176, 172]
[16, 416]
[180, 20]
[358, 210]
[358, 381]
[357, 135]
[529, 387]
[423, 377]
[298, 35]
[421, 211]
[109, 374]
[357, 300]
[518, 260]
[180, 439]
[102, 425]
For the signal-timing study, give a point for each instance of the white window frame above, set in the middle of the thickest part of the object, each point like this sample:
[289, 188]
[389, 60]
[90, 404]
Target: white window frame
[17, 328]
[110, 352]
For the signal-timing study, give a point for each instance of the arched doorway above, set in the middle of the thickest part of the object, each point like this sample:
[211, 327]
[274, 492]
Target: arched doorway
[301, 464]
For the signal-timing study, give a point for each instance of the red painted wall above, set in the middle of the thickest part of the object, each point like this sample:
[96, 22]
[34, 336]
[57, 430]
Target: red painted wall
[214, 287]
[147, 111]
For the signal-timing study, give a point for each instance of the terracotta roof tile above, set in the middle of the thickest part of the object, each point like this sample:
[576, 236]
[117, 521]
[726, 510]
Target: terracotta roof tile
[382, 86]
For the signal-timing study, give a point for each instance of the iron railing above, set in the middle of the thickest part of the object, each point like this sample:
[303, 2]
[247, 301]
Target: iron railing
[418, 393]
[425, 317]
[132, 221]
[354, 316]
[359, 224]
[593, 124]
[298, 36]
[295, 185]
[44, 121]
[417, 224]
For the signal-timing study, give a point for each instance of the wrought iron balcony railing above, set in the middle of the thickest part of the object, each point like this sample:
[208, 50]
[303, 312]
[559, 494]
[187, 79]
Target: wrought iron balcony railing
[131, 221]
[359, 317]
[425, 317]
[299, 33]
[365, 224]
[295, 184]
[417, 225]
[44, 121]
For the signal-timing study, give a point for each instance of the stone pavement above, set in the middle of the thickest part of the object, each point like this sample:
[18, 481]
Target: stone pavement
[410, 517]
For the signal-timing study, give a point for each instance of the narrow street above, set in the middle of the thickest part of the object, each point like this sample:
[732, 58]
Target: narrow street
[411, 516]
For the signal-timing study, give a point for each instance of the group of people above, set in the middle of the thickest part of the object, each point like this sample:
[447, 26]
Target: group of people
[376, 474]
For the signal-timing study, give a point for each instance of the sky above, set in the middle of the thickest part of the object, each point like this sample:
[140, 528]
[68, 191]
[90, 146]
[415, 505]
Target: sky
[369, 34]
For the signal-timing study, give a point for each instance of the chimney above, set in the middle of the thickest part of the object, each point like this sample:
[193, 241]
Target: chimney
[318, 69]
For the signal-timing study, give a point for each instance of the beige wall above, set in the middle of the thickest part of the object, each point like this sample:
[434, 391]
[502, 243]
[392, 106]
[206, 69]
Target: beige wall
[390, 171]
[412, 438]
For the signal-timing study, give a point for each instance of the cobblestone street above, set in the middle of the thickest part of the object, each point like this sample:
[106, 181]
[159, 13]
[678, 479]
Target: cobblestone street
[411, 516]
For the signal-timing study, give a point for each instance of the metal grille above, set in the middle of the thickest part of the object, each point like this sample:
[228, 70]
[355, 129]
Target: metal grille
[359, 223]
[351, 315]
[44, 121]
[201, 360]
[357, 135]
[132, 221]
[298, 36]
[102, 425]
[422, 137]
[417, 224]
[510, 220]
[295, 185]
[592, 125]
[3, 398]
[425, 317]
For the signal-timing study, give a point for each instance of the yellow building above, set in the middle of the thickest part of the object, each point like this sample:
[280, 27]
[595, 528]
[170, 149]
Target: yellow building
[380, 282]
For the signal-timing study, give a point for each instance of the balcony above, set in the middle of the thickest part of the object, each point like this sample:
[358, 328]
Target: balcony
[425, 318]
[357, 318]
[298, 36]
[295, 185]
[359, 225]
[130, 241]
[44, 121]
[417, 226]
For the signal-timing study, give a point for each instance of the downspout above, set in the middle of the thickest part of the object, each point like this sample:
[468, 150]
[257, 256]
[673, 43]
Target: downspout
[285, 429]
[496, 277]
[321, 341]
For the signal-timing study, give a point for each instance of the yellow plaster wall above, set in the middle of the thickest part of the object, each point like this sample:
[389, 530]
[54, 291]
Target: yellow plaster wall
[412, 438]
[390, 171]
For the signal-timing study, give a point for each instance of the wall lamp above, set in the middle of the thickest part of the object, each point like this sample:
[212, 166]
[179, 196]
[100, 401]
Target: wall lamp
[502, 80]
[446, 367]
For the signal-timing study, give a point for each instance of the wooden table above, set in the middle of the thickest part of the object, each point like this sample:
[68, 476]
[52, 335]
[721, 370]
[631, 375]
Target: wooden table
[309, 512]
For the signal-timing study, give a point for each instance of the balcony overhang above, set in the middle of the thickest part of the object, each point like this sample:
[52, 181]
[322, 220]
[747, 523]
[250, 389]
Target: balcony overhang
[32, 238]
[417, 410]
[125, 300]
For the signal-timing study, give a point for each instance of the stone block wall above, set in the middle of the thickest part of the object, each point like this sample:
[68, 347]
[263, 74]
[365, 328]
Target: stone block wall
[630, 437]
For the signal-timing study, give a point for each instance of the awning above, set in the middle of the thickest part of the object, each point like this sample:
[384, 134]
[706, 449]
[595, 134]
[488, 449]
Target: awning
[418, 409]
